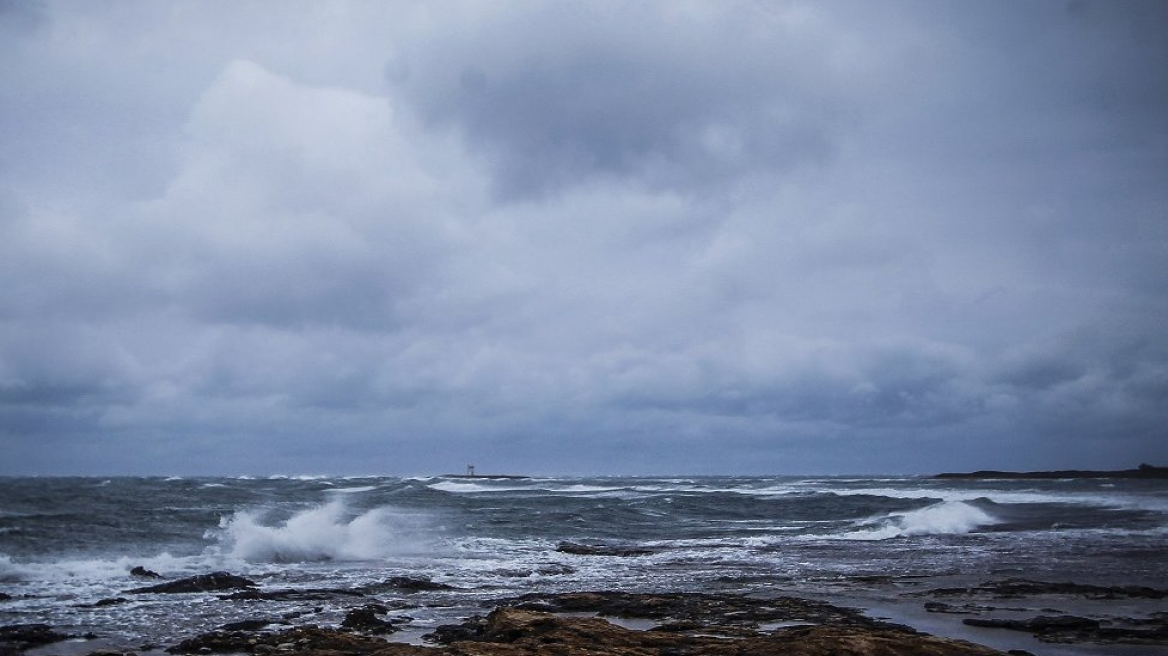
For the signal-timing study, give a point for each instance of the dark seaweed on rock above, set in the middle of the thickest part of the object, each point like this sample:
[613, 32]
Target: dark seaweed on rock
[16, 638]
[212, 582]
[1026, 587]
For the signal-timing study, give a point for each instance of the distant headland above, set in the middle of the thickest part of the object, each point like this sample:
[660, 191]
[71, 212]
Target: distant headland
[1143, 471]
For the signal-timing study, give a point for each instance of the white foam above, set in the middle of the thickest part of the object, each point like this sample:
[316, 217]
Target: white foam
[1015, 496]
[473, 488]
[945, 518]
[97, 569]
[328, 532]
[353, 490]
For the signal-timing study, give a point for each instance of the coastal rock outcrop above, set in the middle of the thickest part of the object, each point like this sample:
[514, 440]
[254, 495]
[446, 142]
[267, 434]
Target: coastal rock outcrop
[577, 549]
[518, 632]
[16, 638]
[213, 582]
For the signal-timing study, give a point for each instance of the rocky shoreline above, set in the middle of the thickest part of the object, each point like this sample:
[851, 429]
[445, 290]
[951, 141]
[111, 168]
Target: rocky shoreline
[639, 624]
[1144, 471]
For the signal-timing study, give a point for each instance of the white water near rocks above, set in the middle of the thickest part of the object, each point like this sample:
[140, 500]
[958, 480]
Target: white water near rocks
[68, 543]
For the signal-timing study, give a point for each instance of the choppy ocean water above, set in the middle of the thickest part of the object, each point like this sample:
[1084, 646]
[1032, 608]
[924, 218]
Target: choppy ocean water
[68, 543]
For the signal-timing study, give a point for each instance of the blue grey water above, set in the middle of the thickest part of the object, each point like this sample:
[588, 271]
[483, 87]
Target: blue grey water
[67, 543]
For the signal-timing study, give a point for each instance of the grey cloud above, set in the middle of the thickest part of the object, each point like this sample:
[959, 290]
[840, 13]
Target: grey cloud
[751, 237]
[671, 98]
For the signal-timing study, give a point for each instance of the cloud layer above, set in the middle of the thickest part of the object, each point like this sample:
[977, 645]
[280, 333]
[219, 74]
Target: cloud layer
[564, 238]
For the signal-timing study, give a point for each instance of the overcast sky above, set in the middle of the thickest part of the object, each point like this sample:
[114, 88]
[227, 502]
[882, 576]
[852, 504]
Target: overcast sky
[741, 237]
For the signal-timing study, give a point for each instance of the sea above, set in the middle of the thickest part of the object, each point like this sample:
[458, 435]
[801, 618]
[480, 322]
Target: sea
[68, 545]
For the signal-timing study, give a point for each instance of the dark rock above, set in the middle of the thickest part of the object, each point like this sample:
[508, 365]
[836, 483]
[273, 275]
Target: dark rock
[290, 594]
[578, 549]
[1040, 624]
[1072, 629]
[1144, 471]
[102, 603]
[516, 632]
[941, 607]
[5, 596]
[416, 584]
[366, 619]
[15, 638]
[303, 640]
[201, 583]
[144, 573]
[1026, 587]
[247, 625]
[708, 610]
[471, 629]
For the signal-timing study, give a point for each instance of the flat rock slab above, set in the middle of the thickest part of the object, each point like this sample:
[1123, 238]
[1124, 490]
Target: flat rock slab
[213, 582]
[518, 632]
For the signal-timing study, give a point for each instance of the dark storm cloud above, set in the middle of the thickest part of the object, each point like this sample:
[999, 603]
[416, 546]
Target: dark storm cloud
[747, 237]
[562, 93]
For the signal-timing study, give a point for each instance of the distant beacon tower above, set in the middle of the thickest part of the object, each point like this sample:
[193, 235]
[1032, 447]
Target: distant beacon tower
[470, 470]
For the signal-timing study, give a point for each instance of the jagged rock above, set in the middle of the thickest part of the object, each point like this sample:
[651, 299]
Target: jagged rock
[309, 639]
[144, 573]
[1040, 624]
[366, 619]
[415, 584]
[708, 610]
[517, 632]
[247, 625]
[1072, 629]
[15, 638]
[290, 594]
[1026, 587]
[102, 603]
[577, 549]
[201, 583]
[471, 628]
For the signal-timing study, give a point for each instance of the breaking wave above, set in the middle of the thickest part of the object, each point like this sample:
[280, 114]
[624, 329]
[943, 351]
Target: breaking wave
[945, 518]
[322, 533]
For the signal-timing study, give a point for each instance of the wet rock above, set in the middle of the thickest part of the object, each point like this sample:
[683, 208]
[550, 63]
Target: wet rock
[15, 638]
[416, 584]
[708, 610]
[472, 628]
[517, 632]
[247, 625]
[102, 603]
[290, 594]
[142, 572]
[577, 549]
[302, 640]
[963, 609]
[1040, 624]
[202, 583]
[1026, 587]
[366, 619]
[1073, 629]
[4, 596]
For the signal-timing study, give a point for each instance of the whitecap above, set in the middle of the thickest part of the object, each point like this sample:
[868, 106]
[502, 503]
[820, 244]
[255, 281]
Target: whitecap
[327, 532]
[945, 518]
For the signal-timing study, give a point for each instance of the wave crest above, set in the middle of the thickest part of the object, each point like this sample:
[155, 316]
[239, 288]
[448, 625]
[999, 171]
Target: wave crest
[944, 518]
[327, 532]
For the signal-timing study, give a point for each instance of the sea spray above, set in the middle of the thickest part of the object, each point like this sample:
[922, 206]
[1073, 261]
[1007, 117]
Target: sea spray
[944, 518]
[322, 533]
